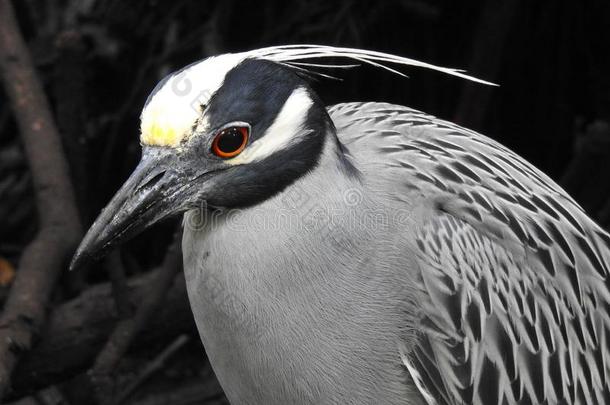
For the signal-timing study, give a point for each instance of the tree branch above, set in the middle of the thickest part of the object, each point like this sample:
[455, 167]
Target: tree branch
[59, 225]
[127, 329]
[77, 330]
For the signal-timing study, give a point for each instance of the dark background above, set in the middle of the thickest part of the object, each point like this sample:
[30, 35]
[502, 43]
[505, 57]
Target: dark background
[98, 60]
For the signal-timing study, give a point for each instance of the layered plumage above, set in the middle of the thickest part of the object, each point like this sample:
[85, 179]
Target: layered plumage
[368, 252]
[513, 274]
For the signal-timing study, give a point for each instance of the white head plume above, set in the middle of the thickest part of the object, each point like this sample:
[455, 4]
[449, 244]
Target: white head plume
[293, 55]
[177, 107]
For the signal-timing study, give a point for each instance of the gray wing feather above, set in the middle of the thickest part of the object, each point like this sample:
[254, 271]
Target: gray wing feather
[513, 274]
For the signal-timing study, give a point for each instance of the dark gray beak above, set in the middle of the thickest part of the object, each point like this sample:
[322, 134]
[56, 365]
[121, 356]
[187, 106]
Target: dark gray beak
[148, 196]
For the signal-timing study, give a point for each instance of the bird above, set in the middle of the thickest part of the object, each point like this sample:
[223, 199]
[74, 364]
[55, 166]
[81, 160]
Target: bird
[364, 252]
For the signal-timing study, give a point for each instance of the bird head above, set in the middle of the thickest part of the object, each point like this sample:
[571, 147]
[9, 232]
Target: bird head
[229, 131]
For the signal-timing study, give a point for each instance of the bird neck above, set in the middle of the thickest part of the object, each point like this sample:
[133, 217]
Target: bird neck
[323, 187]
[336, 154]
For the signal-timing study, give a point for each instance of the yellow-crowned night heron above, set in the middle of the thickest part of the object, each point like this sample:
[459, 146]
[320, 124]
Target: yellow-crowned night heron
[364, 253]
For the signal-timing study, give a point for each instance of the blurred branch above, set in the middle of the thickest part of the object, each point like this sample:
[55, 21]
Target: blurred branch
[49, 396]
[193, 392]
[150, 59]
[26, 401]
[69, 92]
[77, 330]
[118, 280]
[43, 259]
[127, 329]
[152, 367]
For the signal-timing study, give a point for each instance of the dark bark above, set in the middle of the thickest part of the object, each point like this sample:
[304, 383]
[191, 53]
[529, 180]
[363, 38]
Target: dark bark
[126, 330]
[78, 329]
[59, 227]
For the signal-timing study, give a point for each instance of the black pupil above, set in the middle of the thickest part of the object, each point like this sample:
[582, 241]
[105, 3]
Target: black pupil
[230, 140]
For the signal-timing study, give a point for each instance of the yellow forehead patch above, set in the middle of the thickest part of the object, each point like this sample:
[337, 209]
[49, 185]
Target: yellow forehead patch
[172, 113]
[167, 121]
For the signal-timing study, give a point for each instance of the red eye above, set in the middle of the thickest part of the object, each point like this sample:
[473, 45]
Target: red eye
[230, 142]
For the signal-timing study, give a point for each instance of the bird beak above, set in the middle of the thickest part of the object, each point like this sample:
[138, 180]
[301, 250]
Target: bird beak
[148, 196]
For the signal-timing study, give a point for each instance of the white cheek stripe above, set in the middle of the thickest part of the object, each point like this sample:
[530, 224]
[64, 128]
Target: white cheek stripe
[286, 129]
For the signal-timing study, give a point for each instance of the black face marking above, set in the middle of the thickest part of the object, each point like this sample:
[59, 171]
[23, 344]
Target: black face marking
[255, 92]
[250, 184]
